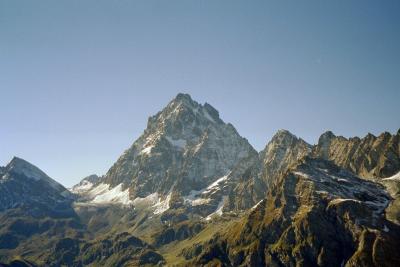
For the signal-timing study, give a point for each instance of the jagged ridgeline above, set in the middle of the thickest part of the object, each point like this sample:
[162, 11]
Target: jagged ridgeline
[190, 191]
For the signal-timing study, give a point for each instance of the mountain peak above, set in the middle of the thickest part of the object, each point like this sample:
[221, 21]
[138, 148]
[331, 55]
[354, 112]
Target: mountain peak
[21, 166]
[284, 150]
[327, 135]
[187, 100]
[183, 112]
[22, 183]
[285, 136]
[372, 136]
[284, 133]
[184, 100]
[20, 160]
[183, 97]
[185, 140]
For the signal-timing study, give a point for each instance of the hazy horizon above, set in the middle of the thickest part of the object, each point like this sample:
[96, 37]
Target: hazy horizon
[79, 79]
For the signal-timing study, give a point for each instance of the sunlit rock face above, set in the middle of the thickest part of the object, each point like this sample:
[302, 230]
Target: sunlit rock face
[188, 158]
[370, 157]
[283, 151]
[316, 214]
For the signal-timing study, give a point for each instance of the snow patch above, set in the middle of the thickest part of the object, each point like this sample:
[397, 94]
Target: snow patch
[146, 150]
[395, 177]
[219, 210]
[215, 184]
[193, 199]
[385, 229]
[256, 205]
[149, 143]
[84, 186]
[149, 200]
[198, 147]
[98, 190]
[200, 201]
[340, 200]
[162, 206]
[104, 195]
[302, 174]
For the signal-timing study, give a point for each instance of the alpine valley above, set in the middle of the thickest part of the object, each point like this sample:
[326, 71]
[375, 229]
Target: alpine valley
[190, 191]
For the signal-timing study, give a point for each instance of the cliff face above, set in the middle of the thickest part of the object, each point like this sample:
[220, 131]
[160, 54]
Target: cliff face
[186, 159]
[283, 151]
[369, 157]
[185, 146]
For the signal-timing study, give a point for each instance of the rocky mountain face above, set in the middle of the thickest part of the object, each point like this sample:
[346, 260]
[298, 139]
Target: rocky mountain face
[24, 185]
[191, 191]
[370, 157]
[38, 221]
[317, 214]
[86, 184]
[185, 141]
[34, 209]
[186, 158]
[283, 151]
[392, 185]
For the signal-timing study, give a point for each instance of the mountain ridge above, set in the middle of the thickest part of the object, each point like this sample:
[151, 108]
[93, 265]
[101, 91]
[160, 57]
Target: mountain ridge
[190, 191]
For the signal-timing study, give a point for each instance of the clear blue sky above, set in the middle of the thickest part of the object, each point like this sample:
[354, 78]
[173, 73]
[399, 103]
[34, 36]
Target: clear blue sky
[78, 79]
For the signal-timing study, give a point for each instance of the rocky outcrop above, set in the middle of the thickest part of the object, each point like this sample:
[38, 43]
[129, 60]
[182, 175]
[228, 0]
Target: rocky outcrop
[392, 185]
[317, 214]
[283, 151]
[369, 157]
